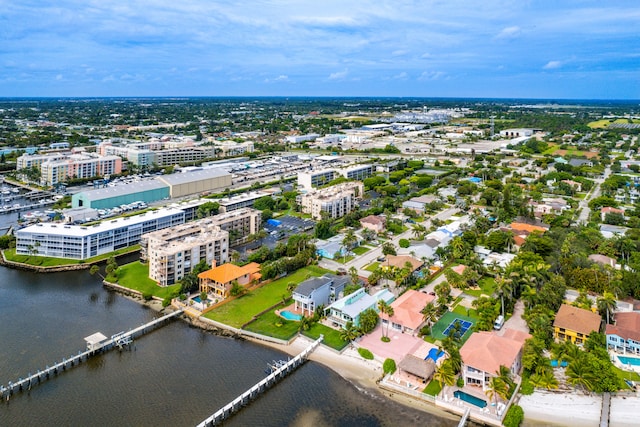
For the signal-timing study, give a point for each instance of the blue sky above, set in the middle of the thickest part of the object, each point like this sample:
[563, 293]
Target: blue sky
[449, 48]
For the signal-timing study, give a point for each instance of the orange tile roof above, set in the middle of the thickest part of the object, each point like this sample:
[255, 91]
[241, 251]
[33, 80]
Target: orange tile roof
[487, 351]
[459, 269]
[521, 226]
[406, 309]
[519, 240]
[400, 260]
[577, 319]
[627, 326]
[229, 272]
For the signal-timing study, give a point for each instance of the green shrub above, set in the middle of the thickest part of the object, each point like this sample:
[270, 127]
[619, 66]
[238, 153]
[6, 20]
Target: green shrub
[385, 339]
[460, 382]
[425, 331]
[166, 302]
[514, 416]
[404, 243]
[147, 296]
[389, 366]
[366, 354]
[526, 387]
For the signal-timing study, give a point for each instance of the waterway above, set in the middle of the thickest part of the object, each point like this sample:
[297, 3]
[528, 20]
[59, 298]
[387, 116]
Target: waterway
[175, 376]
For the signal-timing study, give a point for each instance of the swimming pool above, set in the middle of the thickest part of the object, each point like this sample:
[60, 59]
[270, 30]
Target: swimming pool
[470, 399]
[563, 364]
[197, 299]
[434, 354]
[633, 361]
[290, 316]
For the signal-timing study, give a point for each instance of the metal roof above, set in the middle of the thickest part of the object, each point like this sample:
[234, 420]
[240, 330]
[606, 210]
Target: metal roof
[122, 190]
[188, 177]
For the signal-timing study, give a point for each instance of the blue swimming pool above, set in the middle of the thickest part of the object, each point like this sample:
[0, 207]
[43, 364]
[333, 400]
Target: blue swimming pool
[634, 361]
[197, 299]
[470, 399]
[563, 364]
[434, 354]
[290, 316]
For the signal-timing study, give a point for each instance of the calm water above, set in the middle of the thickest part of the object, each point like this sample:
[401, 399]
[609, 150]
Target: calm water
[176, 376]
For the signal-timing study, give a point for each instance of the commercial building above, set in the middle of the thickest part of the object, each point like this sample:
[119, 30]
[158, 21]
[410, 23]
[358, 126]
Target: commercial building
[110, 197]
[358, 172]
[294, 139]
[82, 242]
[336, 201]
[173, 252]
[199, 181]
[244, 200]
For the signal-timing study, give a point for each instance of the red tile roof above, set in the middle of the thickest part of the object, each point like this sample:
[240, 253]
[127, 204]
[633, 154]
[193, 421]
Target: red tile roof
[487, 351]
[627, 326]
[577, 319]
[406, 309]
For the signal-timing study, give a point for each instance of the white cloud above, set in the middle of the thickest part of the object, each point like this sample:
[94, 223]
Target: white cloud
[509, 32]
[59, 77]
[339, 75]
[431, 75]
[280, 78]
[552, 65]
[402, 76]
[426, 55]
[399, 52]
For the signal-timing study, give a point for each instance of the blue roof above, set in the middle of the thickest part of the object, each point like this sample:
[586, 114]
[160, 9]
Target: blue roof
[273, 222]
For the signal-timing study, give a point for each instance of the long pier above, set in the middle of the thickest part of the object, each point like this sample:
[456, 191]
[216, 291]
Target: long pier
[119, 340]
[271, 379]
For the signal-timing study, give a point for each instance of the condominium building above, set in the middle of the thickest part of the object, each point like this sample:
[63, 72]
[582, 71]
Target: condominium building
[317, 178]
[336, 201]
[82, 242]
[244, 200]
[358, 172]
[239, 223]
[27, 161]
[173, 252]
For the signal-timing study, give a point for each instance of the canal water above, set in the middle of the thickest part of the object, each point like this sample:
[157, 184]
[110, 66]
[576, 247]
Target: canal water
[175, 376]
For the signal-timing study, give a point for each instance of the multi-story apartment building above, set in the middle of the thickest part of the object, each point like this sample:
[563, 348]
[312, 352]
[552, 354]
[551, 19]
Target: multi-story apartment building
[79, 166]
[316, 178]
[27, 161]
[173, 252]
[239, 223]
[181, 155]
[336, 201]
[358, 172]
[244, 200]
[82, 242]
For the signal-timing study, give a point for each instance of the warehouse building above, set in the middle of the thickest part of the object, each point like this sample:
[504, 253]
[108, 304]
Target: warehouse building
[200, 181]
[110, 197]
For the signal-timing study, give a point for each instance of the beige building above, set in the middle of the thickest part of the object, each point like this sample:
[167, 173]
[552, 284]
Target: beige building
[200, 181]
[173, 252]
[336, 201]
[239, 223]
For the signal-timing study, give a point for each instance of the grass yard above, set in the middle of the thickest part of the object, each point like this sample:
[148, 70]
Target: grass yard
[331, 336]
[552, 149]
[372, 267]
[433, 388]
[445, 320]
[626, 375]
[272, 325]
[360, 250]
[459, 309]
[45, 261]
[136, 276]
[343, 260]
[241, 310]
[487, 286]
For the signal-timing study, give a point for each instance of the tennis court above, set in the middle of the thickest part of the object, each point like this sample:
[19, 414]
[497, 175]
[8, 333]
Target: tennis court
[463, 327]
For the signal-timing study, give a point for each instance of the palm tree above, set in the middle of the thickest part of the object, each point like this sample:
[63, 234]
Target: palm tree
[503, 287]
[390, 314]
[418, 231]
[430, 315]
[305, 323]
[385, 308]
[579, 374]
[353, 273]
[349, 333]
[95, 269]
[545, 379]
[445, 375]
[505, 374]
[496, 388]
[291, 286]
[607, 305]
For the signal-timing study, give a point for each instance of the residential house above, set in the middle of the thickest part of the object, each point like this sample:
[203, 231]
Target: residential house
[575, 324]
[318, 291]
[374, 223]
[624, 335]
[603, 260]
[607, 210]
[417, 204]
[400, 261]
[580, 162]
[407, 317]
[349, 308]
[485, 352]
[218, 281]
[576, 185]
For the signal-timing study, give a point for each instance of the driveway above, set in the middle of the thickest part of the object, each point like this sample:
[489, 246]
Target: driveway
[516, 321]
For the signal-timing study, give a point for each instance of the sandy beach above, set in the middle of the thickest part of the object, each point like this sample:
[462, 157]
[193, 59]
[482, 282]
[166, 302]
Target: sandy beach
[363, 374]
[562, 409]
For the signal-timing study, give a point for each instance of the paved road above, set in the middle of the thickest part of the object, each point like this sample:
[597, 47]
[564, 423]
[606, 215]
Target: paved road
[583, 218]
[359, 262]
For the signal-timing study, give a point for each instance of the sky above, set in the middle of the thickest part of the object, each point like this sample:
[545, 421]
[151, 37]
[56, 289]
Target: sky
[568, 49]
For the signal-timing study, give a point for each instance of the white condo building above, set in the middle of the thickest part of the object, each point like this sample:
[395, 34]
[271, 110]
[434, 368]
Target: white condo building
[336, 201]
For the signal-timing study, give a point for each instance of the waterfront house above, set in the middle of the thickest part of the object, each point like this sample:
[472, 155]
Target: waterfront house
[349, 308]
[219, 280]
[624, 334]
[407, 317]
[318, 291]
[575, 324]
[484, 352]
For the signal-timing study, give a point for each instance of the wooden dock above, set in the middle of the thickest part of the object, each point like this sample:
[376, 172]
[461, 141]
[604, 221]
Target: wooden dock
[117, 340]
[271, 379]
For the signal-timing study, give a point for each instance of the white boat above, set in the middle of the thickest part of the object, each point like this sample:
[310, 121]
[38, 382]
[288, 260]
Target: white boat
[15, 190]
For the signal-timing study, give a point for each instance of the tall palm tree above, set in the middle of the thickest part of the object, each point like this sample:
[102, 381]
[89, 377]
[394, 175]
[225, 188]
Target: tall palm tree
[445, 375]
[430, 315]
[349, 333]
[503, 288]
[496, 388]
[545, 379]
[607, 305]
[505, 375]
[579, 374]
[418, 231]
[382, 308]
[390, 313]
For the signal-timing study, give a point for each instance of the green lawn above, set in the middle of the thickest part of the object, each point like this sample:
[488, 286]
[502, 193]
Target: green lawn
[487, 287]
[372, 267]
[44, 261]
[331, 336]
[240, 311]
[459, 309]
[136, 276]
[344, 260]
[445, 320]
[272, 325]
[433, 388]
[360, 250]
[626, 375]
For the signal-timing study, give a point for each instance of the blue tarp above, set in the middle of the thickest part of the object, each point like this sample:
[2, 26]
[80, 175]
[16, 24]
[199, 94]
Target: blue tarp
[273, 222]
